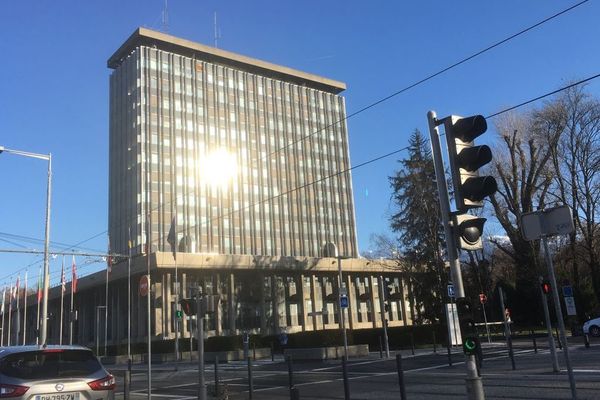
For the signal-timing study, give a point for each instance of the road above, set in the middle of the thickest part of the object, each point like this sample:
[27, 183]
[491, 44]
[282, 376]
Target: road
[427, 376]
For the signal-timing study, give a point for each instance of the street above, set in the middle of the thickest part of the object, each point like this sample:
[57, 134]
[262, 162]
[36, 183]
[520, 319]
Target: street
[427, 376]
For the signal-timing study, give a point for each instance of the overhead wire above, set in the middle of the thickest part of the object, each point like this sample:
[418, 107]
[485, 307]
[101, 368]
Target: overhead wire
[380, 101]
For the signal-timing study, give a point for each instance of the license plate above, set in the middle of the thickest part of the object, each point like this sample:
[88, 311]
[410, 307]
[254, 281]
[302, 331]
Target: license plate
[58, 396]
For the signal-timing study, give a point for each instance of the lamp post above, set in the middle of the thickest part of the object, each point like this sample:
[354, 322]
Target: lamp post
[47, 157]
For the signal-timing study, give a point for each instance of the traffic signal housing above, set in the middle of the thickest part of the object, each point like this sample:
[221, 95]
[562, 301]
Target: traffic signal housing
[546, 287]
[188, 306]
[468, 230]
[471, 345]
[464, 308]
[465, 160]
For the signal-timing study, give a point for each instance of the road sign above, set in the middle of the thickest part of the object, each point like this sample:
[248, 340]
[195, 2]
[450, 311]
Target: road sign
[482, 298]
[567, 291]
[451, 293]
[570, 305]
[144, 284]
[344, 301]
[549, 222]
[453, 324]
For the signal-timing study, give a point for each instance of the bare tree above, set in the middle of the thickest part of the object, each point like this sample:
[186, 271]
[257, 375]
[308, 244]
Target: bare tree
[576, 162]
[524, 178]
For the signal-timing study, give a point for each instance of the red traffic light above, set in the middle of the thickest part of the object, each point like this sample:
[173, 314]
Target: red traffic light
[188, 306]
[546, 287]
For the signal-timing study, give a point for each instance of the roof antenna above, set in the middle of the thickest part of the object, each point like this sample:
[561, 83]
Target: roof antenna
[165, 17]
[217, 32]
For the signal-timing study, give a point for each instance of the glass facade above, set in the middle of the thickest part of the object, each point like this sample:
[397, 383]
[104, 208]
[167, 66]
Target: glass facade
[177, 122]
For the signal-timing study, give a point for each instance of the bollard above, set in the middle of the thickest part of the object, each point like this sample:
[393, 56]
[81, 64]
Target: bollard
[400, 376]
[535, 349]
[412, 342]
[216, 375]
[290, 372]
[345, 376]
[250, 382]
[380, 348]
[127, 381]
[434, 342]
[449, 356]
[586, 340]
[294, 394]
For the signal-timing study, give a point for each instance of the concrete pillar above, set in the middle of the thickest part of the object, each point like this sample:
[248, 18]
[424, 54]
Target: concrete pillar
[303, 295]
[375, 316]
[313, 299]
[231, 304]
[352, 303]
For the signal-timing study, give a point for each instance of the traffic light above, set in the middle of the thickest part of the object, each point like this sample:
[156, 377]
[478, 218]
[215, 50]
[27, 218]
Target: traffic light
[465, 159]
[468, 230]
[471, 345]
[464, 308]
[546, 287]
[188, 306]
[388, 287]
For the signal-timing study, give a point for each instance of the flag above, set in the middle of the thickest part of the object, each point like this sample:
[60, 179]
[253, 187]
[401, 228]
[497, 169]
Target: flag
[172, 238]
[3, 298]
[63, 283]
[16, 292]
[74, 277]
[39, 293]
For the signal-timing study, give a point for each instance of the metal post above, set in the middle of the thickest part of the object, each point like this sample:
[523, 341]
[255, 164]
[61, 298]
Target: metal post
[586, 341]
[473, 381]
[507, 333]
[342, 312]
[383, 316]
[551, 343]
[559, 317]
[216, 375]
[149, 333]
[380, 348]
[129, 244]
[272, 352]
[345, 376]
[290, 372]
[200, 330]
[43, 334]
[412, 342]
[250, 382]
[487, 328]
[176, 310]
[127, 381]
[535, 349]
[400, 376]
[106, 313]
[434, 342]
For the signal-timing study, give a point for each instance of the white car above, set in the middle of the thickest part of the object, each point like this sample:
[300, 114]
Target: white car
[592, 327]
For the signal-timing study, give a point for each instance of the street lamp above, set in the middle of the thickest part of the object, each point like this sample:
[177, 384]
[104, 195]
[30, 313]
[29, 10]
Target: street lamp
[47, 157]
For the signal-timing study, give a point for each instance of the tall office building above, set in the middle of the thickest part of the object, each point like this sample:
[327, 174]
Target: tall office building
[230, 154]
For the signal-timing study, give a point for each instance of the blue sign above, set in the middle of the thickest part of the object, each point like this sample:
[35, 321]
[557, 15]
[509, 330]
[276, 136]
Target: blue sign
[283, 338]
[344, 301]
[451, 291]
[567, 291]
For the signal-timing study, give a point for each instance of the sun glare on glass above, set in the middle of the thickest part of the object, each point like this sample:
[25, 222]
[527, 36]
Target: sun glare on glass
[218, 168]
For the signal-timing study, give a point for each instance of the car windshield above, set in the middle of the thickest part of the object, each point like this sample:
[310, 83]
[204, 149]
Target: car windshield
[49, 364]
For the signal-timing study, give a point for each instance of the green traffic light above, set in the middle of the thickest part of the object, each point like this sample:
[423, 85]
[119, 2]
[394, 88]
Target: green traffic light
[471, 345]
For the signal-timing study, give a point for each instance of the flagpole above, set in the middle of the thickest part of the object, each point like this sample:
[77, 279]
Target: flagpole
[3, 312]
[106, 304]
[39, 299]
[129, 295]
[9, 315]
[25, 311]
[62, 299]
[18, 322]
[73, 289]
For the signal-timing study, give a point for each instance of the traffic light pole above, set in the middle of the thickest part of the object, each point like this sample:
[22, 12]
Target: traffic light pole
[551, 344]
[473, 381]
[383, 316]
[559, 317]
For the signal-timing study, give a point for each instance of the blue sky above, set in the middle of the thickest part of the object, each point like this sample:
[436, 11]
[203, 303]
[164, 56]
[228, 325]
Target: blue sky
[54, 95]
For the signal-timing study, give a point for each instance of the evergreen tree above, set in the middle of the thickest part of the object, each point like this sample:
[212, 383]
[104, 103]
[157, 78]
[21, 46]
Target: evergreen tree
[416, 221]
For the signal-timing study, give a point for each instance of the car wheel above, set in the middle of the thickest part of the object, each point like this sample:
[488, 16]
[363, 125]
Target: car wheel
[595, 331]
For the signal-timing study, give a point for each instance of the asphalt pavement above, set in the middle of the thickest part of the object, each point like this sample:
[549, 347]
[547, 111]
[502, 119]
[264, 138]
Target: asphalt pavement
[427, 375]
